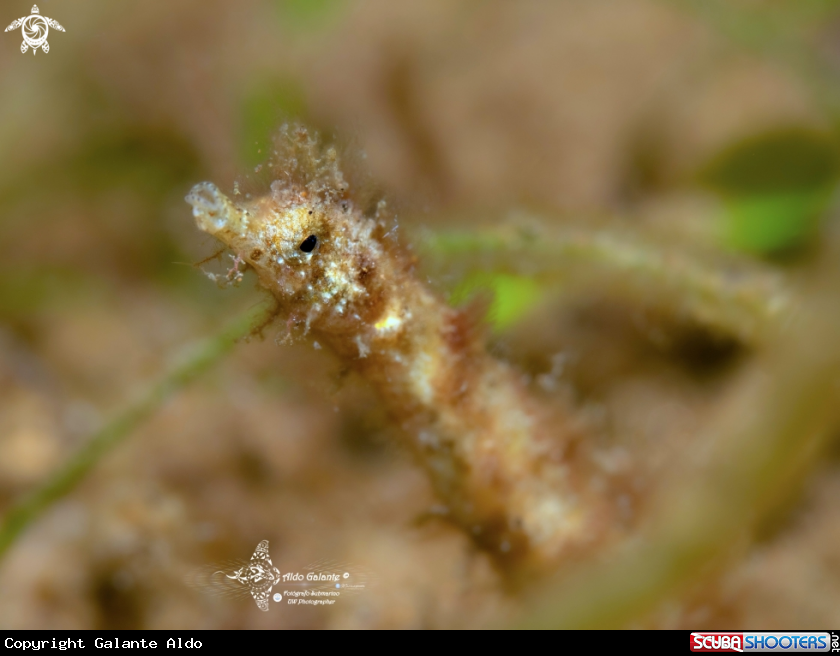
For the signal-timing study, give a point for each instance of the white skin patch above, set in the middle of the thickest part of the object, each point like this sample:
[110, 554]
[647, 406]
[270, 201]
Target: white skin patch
[421, 376]
[388, 324]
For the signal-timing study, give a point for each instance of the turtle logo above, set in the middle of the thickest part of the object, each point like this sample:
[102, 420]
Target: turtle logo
[35, 29]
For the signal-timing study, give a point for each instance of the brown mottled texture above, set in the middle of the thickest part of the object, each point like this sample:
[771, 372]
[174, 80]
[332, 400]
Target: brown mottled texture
[494, 455]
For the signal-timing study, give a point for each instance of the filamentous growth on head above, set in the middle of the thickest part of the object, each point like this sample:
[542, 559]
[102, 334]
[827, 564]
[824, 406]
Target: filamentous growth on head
[497, 458]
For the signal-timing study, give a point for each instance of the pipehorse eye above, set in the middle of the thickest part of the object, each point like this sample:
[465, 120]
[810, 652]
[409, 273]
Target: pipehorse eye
[309, 244]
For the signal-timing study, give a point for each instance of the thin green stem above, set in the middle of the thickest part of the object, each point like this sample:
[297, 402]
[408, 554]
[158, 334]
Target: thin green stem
[195, 360]
[733, 296]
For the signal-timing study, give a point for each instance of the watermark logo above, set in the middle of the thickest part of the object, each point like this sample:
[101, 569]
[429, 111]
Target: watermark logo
[259, 575]
[322, 583]
[799, 641]
[35, 29]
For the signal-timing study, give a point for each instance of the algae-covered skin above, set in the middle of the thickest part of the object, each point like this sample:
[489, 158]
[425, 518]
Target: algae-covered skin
[498, 459]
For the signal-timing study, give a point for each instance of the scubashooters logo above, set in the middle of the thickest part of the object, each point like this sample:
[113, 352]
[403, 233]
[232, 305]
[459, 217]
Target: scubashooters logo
[35, 29]
[800, 641]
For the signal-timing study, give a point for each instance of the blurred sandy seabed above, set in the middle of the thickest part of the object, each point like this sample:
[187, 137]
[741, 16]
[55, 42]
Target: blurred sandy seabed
[577, 108]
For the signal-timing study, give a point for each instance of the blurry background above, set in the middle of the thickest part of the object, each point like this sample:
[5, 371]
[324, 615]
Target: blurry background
[718, 125]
